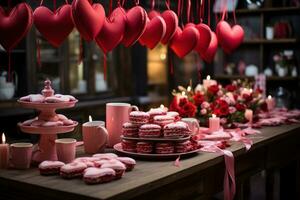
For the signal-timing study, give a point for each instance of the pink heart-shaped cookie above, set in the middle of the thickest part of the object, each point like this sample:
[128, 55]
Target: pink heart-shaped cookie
[55, 27]
[135, 25]
[229, 37]
[88, 18]
[171, 20]
[210, 52]
[155, 30]
[184, 41]
[112, 31]
[14, 25]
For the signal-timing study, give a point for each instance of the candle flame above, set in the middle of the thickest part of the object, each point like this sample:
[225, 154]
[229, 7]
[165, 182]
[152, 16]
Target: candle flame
[183, 93]
[269, 97]
[90, 118]
[3, 138]
[189, 88]
[250, 90]
[213, 116]
[208, 77]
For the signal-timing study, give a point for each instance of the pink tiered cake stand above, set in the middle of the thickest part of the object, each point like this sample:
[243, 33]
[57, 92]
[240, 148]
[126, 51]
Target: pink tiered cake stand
[46, 147]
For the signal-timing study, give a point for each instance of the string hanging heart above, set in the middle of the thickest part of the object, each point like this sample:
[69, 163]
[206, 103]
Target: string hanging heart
[54, 26]
[88, 18]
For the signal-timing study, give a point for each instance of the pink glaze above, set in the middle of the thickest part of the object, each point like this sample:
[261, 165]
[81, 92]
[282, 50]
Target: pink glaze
[163, 120]
[73, 167]
[150, 130]
[37, 98]
[126, 160]
[93, 172]
[114, 164]
[48, 164]
[139, 117]
[156, 111]
[105, 155]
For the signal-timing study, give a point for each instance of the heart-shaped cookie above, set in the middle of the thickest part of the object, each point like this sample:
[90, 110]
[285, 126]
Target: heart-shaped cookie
[14, 25]
[55, 27]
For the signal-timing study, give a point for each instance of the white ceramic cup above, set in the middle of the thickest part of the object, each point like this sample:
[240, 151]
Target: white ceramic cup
[193, 124]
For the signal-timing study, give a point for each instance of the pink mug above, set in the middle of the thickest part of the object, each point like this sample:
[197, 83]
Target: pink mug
[95, 136]
[116, 115]
[193, 124]
[65, 149]
[20, 155]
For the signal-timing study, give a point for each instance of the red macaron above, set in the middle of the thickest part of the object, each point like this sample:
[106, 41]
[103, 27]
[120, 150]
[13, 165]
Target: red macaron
[150, 131]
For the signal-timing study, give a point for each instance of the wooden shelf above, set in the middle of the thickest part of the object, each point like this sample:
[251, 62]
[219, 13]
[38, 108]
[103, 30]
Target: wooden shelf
[269, 78]
[280, 10]
[274, 41]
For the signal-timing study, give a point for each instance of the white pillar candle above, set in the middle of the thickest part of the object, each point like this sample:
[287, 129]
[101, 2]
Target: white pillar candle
[249, 115]
[214, 123]
[270, 102]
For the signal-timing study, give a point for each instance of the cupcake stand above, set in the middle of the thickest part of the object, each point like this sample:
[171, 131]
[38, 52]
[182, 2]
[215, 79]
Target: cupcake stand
[46, 147]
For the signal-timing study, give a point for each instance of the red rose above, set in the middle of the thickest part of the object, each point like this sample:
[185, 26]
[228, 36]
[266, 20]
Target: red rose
[222, 103]
[224, 111]
[198, 99]
[189, 109]
[182, 102]
[174, 106]
[247, 97]
[230, 88]
[240, 107]
[213, 89]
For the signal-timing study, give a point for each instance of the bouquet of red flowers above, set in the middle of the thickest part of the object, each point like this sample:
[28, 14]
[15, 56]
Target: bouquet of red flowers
[229, 102]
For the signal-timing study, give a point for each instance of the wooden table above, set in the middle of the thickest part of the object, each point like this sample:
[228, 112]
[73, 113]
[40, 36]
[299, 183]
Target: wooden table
[198, 177]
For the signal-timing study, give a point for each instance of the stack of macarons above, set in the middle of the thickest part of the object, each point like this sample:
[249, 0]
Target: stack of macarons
[152, 124]
[149, 147]
[99, 168]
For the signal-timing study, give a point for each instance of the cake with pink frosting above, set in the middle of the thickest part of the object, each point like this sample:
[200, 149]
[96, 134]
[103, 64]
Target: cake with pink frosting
[116, 165]
[72, 170]
[94, 175]
[128, 162]
[50, 167]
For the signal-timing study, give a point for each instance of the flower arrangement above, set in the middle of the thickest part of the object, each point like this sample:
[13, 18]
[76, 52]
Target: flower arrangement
[229, 102]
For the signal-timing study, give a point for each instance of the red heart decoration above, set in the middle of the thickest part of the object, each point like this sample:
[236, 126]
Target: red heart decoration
[88, 18]
[171, 20]
[205, 37]
[155, 30]
[135, 25]
[229, 38]
[55, 27]
[184, 41]
[210, 52]
[14, 25]
[112, 31]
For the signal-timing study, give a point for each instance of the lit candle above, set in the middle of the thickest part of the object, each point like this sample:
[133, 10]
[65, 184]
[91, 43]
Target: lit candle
[189, 88]
[214, 123]
[183, 95]
[4, 151]
[208, 82]
[90, 118]
[249, 115]
[270, 102]
[163, 108]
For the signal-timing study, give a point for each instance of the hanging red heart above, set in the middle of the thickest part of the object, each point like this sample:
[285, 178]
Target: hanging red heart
[135, 25]
[210, 52]
[171, 21]
[229, 38]
[155, 30]
[112, 31]
[55, 27]
[184, 41]
[88, 18]
[205, 37]
[14, 25]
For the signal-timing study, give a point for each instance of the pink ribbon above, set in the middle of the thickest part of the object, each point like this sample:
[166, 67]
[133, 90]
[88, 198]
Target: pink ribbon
[229, 177]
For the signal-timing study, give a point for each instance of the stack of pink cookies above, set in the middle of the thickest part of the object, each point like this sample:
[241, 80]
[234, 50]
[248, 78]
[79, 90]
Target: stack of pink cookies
[99, 168]
[57, 120]
[156, 123]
